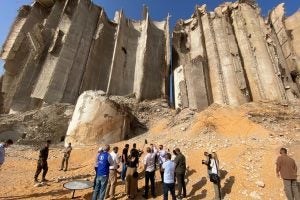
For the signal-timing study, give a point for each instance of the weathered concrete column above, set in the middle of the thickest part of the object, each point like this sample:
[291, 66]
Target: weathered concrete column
[228, 53]
[98, 65]
[180, 90]
[265, 68]
[215, 72]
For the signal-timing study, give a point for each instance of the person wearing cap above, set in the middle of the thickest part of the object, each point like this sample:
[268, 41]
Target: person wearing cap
[96, 165]
[67, 153]
[6, 144]
[104, 161]
[42, 162]
[112, 180]
[180, 169]
[286, 168]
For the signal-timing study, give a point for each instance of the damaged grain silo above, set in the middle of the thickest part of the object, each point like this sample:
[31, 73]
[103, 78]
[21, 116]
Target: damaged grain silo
[58, 49]
[233, 55]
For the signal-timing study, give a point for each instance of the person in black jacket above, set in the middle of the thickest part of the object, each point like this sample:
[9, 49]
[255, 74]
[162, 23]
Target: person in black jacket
[180, 169]
[42, 162]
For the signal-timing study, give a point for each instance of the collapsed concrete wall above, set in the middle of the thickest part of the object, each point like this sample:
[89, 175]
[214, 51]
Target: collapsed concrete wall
[235, 55]
[58, 49]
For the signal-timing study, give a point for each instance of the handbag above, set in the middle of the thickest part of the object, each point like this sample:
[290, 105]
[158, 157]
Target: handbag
[135, 174]
[214, 178]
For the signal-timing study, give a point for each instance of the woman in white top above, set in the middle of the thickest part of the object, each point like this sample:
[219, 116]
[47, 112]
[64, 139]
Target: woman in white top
[214, 164]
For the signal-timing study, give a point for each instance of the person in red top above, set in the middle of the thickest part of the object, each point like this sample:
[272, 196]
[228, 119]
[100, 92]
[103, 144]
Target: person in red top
[286, 168]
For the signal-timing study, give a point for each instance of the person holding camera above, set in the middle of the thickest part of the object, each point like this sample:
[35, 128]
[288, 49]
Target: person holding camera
[212, 163]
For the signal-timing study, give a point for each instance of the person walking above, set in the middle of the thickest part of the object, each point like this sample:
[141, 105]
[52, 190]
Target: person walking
[112, 179]
[42, 162]
[67, 153]
[104, 161]
[215, 175]
[131, 180]
[149, 166]
[3, 146]
[124, 161]
[180, 169]
[161, 160]
[286, 168]
[168, 168]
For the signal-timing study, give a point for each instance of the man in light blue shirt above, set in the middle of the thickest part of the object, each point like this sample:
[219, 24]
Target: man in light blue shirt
[168, 168]
[2, 150]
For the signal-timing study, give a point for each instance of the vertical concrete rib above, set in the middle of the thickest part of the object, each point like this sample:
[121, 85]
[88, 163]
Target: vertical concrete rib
[59, 51]
[154, 60]
[265, 68]
[74, 79]
[215, 73]
[140, 56]
[228, 64]
[99, 61]
[124, 59]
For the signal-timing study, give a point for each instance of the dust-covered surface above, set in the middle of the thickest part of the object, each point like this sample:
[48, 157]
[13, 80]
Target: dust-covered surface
[245, 138]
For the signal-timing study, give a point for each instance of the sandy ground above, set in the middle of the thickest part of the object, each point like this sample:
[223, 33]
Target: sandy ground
[246, 151]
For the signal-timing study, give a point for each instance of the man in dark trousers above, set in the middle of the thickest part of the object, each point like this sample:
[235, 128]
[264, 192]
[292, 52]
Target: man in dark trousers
[42, 162]
[149, 164]
[124, 161]
[180, 168]
[286, 168]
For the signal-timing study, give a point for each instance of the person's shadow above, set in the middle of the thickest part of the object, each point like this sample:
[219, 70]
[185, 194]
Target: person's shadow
[188, 173]
[197, 186]
[228, 185]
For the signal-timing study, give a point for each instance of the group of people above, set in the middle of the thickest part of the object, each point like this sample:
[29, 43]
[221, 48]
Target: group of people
[172, 169]
[106, 166]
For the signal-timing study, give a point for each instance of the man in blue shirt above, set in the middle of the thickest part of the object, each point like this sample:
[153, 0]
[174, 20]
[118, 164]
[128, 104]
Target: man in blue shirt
[2, 150]
[104, 161]
[168, 168]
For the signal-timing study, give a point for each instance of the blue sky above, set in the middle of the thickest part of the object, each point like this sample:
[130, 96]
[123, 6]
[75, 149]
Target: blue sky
[133, 9]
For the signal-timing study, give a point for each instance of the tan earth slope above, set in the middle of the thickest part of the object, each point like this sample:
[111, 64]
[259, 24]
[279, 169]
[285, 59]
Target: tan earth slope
[247, 140]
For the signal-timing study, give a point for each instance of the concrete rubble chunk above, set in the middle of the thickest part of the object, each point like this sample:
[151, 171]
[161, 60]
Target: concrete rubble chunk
[99, 120]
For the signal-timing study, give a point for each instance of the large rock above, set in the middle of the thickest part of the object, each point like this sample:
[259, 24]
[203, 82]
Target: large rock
[98, 120]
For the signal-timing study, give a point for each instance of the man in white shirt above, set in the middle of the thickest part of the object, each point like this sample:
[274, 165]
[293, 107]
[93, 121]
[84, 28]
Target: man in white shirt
[2, 150]
[161, 159]
[149, 164]
[112, 179]
[168, 168]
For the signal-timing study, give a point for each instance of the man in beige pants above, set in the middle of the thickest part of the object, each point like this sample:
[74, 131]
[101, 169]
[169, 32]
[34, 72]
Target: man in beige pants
[286, 168]
[112, 179]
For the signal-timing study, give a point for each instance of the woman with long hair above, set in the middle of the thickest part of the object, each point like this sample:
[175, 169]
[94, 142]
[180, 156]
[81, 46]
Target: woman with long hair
[215, 175]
